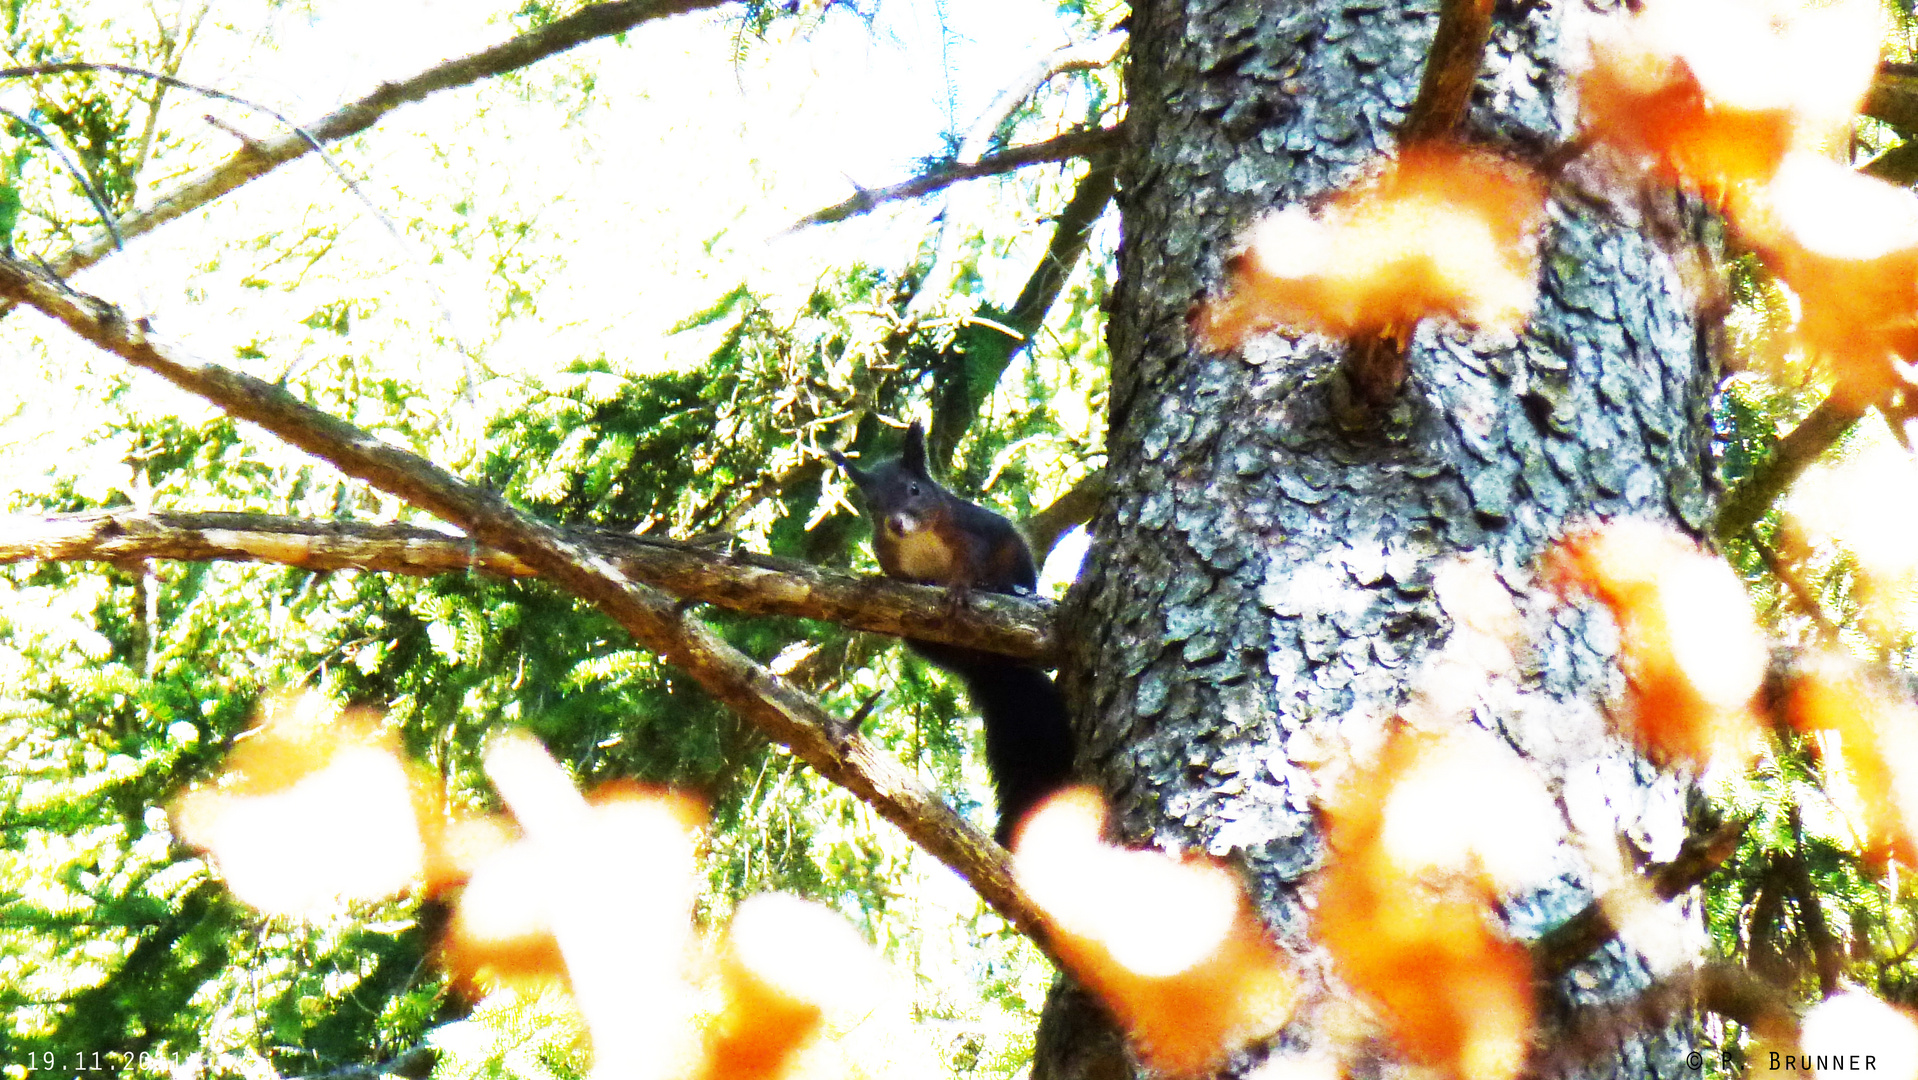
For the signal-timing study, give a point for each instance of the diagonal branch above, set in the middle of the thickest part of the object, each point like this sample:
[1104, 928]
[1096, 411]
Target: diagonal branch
[260, 157]
[1564, 946]
[1794, 453]
[657, 621]
[1076, 144]
[740, 581]
[1075, 507]
[972, 366]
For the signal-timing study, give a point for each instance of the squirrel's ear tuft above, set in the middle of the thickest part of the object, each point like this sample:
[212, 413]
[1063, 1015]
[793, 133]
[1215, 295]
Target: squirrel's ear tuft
[914, 455]
[858, 475]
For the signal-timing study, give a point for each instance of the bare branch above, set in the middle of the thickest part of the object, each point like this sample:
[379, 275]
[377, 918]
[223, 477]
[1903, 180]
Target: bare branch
[1075, 507]
[1074, 144]
[263, 156]
[79, 176]
[1726, 989]
[656, 620]
[739, 581]
[1568, 943]
[1794, 453]
[1080, 56]
[1451, 70]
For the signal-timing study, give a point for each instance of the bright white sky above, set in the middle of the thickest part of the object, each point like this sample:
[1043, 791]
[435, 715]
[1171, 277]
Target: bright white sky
[682, 146]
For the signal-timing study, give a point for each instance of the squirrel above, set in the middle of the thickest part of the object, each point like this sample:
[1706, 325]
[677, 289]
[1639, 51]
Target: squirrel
[923, 533]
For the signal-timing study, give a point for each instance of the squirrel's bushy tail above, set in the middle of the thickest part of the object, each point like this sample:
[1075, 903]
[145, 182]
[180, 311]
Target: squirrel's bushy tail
[1028, 738]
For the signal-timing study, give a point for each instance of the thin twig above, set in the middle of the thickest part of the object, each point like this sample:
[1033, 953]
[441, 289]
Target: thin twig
[393, 230]
[79, 176]
[256, 160]
[1074, 144]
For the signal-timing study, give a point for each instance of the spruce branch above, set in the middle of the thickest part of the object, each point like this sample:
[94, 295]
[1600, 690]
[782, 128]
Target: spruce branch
[1074, 144]
[262, 156]
[739, 581]
[657, 621]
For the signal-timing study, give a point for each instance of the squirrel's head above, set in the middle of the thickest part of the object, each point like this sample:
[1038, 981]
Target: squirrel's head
[901, 496]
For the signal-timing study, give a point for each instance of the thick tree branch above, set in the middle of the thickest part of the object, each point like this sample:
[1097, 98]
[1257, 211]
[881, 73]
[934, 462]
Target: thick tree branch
[1075, 507]
[1898, 165]
[1570, 942]
[1075, 144]
[656, 620]
[262, 156]
[1793, 454]
[739, 581]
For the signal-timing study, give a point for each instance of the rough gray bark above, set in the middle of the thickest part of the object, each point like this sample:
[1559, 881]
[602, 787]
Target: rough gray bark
[1260, 585]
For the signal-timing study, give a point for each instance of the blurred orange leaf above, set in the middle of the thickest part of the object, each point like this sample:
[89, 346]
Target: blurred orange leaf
[1846, 245]
[1404, 904]
[1442, 231]
[1874, 753]
[313, 807]
[786, 966]
[1717, 91]
[1170, 945]
[1692, 654]
[611, 884]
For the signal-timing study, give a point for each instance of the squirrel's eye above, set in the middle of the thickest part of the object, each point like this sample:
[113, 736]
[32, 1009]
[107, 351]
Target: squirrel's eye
[912, 489]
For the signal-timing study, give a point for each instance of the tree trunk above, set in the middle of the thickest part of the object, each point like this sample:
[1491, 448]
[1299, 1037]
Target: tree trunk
[1259, 598]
